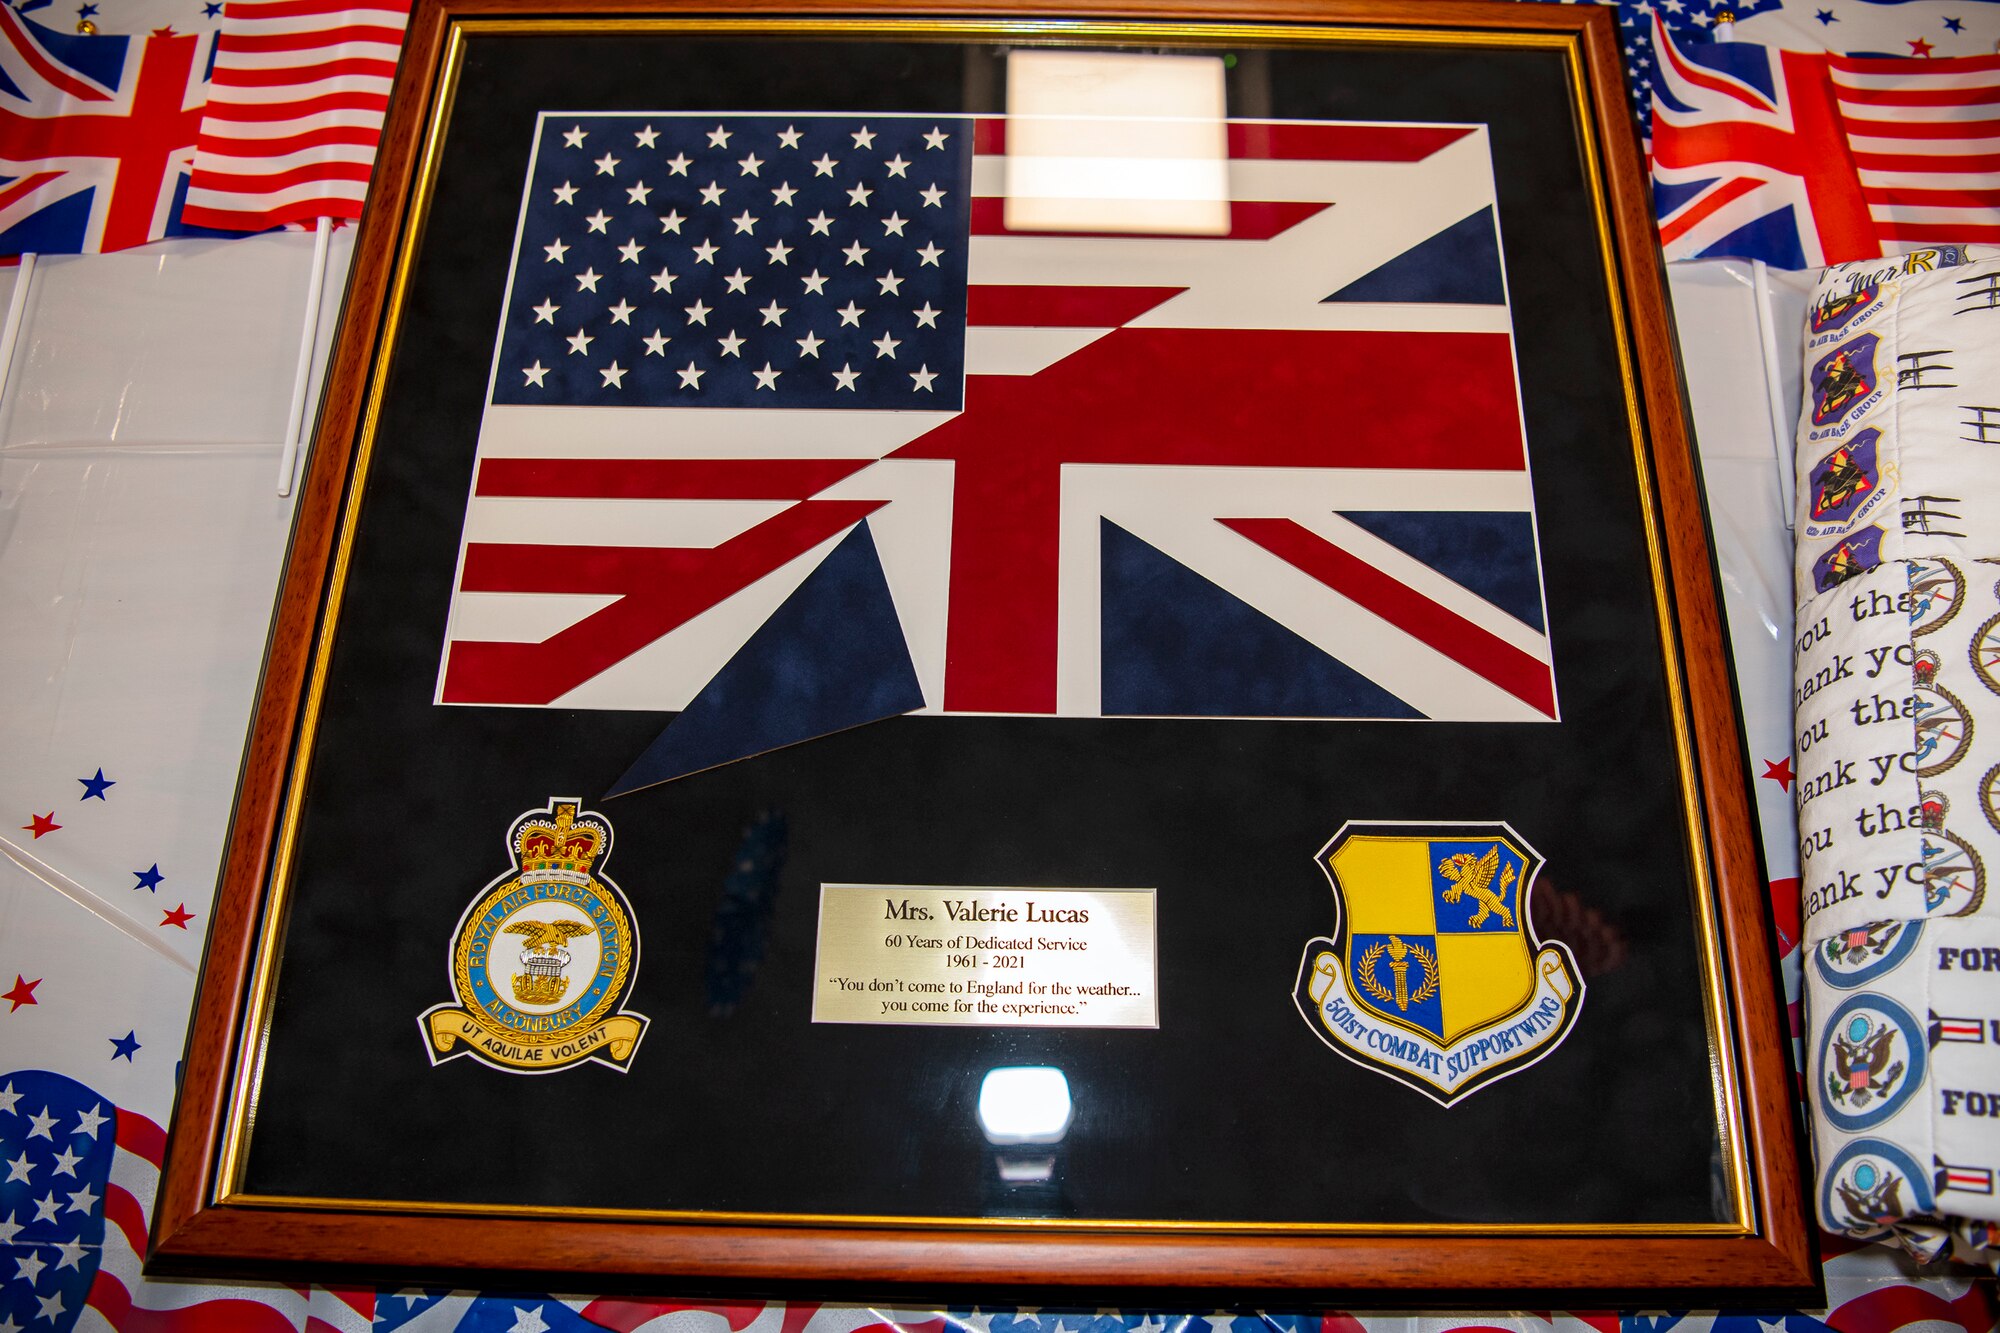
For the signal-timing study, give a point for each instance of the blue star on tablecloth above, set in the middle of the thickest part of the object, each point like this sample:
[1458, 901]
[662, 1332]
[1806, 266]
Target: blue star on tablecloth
[150, 879]
[123, 1047]
[94, 788]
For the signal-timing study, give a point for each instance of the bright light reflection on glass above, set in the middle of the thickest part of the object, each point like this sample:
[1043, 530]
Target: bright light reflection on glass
[1024, 1104]
[1116, 143]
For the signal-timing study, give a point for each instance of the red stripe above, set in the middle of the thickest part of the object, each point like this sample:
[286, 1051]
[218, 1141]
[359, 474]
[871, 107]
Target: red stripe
[348, 67]
[1936, 233]
[1713, 202]
[109, 1298]
[122, 1210]
[664, 478]
[302, 109]
[1463, 642]
[1247, 221]
[1941, 164]
[231, 182]
[1921, 129]
[230, 43]
[1975, 96]
[989, 135]
[1061, 307]
[1934, 198]
[239, 12]
[141, 1137]
[1341, 143]
[1900, 66]
[327, 136]
[263, 219]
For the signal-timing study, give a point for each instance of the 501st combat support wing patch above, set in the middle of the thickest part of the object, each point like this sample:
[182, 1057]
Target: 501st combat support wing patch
[544, 957]
[1435, 977]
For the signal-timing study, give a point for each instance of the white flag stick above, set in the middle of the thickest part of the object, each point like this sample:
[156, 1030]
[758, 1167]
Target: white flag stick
[17, 309]
[295, 421]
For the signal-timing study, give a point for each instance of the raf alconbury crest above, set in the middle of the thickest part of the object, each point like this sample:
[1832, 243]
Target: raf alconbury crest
[1435, 977]
[543, 959]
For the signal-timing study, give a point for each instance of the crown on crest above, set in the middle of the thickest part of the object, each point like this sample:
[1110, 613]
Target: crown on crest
[564, 844]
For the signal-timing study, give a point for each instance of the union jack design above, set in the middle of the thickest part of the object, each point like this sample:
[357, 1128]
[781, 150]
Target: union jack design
[732, 342]
[97, 135]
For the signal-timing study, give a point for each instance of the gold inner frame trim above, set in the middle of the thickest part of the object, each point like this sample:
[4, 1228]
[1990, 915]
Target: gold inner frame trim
[246, 1081]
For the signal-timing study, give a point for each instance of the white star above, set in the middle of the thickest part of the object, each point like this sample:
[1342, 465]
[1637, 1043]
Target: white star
[851, 314]
[614, 376]
[820, 223]
[586, 281]
[637, 194]
[891, 284]
[844, 377]
[671, 222]
[629, 252]
[926, 316]
[815, 283]
[644, 138]
[534, 374]
[897, 166]
[780, 254]
[788, 137]
[622, 312]
[856, 252]
[731, 344]
[528, 1321]
[936, 138]
[858, 196]
[607, 165]
[718, 137]
[575, 136]
[864, 138]
[750, 164]
[923, 375]
[783, 194]
[977, 1322]
[810, 345]
[66, 1163]
[825, 165]
[679, 163]
[705, 253]
[88, 1122]
[657, 344]
[767, 378]
[698, 314]
[893, 225]
[8, 1097]
[45, 1209]
[41, 1125]
[19, 1168]
[52, 1307]
[82, 1201]
[712, 193]
[930, 254]
[739, 281]
[72, 1252]
[545, 313]
[565, 193]
[9, 1229]
[556, 251]
[745, 224]
[690, 378]
[773, 314]
[933, 197]
[598, 220]
[664, 281]
[579, 343]
[886, 346]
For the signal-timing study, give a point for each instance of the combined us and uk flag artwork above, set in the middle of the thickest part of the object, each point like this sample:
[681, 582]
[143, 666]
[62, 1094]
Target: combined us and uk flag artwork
[797, 422]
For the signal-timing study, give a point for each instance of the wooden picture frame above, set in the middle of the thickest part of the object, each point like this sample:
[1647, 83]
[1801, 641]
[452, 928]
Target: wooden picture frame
[217, 1210]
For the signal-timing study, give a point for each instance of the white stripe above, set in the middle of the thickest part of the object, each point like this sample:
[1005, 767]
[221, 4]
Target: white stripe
[1260, 180]
[276, 163]
[1011, 351]
[215, 122]
[1862, 143]
[650, 432]
[222, 99]
[258, 201]
[561, 521]
[307, 59]
[1914, 80]
[1922, 180]
[1943, 217]
[253, 23]
[1919, 114]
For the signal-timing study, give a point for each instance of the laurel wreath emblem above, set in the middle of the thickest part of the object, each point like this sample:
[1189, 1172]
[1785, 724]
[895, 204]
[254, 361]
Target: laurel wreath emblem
[1365, 970]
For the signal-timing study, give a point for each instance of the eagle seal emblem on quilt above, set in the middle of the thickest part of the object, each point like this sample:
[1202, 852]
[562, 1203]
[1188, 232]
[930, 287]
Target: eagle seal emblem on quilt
[544, 957]
[1434, 976]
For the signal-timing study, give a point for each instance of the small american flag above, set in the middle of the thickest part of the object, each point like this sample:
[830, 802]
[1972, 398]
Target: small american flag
[1925, 135]
[294, 111]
